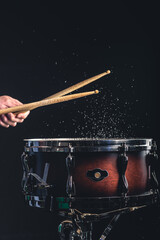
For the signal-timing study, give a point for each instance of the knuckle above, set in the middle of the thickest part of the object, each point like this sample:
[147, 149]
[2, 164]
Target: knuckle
[12, 118]
[5, 97]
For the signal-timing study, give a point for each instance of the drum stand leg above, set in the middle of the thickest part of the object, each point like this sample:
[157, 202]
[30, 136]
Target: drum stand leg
[79, 225]
[109, 227]
[68, 230]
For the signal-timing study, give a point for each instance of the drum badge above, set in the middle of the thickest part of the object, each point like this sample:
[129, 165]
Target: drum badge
[97, 174]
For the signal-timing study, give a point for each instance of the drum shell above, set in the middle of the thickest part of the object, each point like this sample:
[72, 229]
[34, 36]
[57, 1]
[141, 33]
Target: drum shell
[137, 173]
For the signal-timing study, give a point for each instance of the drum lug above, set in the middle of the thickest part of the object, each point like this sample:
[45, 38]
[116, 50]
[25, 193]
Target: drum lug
[70, 186]
[152, 159]
[25, 177]
[122, 166]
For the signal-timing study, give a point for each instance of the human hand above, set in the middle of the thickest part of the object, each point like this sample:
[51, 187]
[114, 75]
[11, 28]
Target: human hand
[11, 119]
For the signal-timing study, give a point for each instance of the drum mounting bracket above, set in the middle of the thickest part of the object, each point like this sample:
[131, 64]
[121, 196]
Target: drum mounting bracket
[70, 186]
[122, 166]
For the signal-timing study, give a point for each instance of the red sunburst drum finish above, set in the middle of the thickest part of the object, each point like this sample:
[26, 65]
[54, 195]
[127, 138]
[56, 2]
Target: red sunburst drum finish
[136, 174]
[93, 156]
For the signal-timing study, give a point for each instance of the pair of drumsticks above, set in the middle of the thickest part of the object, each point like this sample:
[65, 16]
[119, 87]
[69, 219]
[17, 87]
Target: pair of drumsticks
[57, 97]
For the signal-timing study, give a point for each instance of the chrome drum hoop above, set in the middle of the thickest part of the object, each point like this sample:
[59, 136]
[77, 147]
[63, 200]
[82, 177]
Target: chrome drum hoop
[86, 144]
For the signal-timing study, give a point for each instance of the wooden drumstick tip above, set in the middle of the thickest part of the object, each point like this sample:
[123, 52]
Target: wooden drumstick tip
[108, 71]
[96, 91]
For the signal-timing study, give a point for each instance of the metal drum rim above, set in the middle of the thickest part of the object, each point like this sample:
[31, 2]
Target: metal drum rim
[87, 139]
[86, 144]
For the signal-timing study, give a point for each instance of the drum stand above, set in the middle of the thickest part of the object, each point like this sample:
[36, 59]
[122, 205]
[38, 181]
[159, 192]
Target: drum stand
[78, 226]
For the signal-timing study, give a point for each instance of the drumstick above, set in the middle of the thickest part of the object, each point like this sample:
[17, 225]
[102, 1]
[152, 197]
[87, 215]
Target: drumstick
[33, 105]
[78, 85]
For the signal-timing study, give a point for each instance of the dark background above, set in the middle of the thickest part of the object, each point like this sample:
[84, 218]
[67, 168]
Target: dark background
[46, 47]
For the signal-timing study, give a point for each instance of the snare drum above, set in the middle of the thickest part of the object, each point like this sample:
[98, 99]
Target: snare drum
[89, 174]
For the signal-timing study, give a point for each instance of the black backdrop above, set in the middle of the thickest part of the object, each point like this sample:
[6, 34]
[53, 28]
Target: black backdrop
[45, 47]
